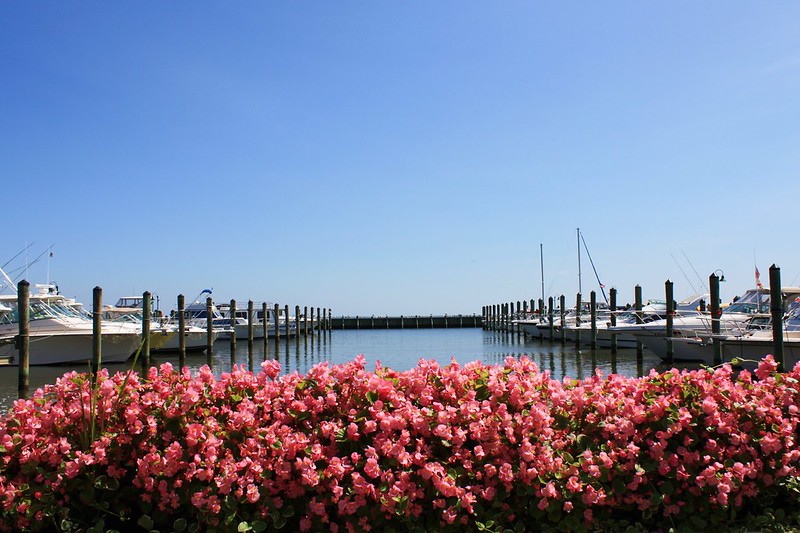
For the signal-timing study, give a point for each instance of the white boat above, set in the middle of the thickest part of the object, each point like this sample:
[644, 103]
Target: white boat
[750, 346]
[61, 334]
[164, 332]
[536, 327]
[241, 324]
[745, 331]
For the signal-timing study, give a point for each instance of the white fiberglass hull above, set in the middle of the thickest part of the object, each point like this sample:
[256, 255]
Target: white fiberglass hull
[74, 348]
[684, 349]
[196, 340]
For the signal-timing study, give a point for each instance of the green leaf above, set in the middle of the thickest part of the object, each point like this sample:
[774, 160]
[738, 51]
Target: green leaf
[179, 525]
[259, 526]
[243, 526]
[145, 522]
[280, 522]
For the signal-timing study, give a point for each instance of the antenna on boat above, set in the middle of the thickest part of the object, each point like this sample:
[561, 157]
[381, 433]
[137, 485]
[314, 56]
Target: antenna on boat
[684, 274]
[602, 287]
[49, 255]
[702, 284]
[18, 254]
[10, 282]
[541, 265]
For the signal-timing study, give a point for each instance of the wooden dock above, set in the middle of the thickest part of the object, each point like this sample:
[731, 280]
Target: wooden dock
[406, 322]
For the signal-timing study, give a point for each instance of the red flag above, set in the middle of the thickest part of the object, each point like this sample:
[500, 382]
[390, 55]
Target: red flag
[758, 280]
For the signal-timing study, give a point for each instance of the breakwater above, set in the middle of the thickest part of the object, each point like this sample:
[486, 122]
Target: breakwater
[406, 322]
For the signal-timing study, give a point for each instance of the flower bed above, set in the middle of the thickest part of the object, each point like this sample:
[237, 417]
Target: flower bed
[446, 448]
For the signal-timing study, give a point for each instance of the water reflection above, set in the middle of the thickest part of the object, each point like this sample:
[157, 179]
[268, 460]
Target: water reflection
[395, 348]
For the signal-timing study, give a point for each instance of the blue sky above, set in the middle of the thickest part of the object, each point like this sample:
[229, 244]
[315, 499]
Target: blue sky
[399, 157]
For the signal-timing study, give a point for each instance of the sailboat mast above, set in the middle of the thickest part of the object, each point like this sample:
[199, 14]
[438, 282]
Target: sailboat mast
[541, 266]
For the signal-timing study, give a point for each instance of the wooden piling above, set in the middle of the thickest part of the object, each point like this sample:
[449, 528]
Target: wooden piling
[716, 345]
[97, 333]
[181, 331]
[612, 296]
[24, 339]
[577, 319]
[312, 322]
[550, 316]
[776, 309]
[297, 321]
[276, 313]
[146, 314]
[251, 324]
[209, 331]
[265, 322]
[233, 332]
[593, 318]
[669, 294]
[563, 312]
[286, 318]
[637, 307]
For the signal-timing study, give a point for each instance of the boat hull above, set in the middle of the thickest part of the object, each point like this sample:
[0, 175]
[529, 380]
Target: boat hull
[74, 348]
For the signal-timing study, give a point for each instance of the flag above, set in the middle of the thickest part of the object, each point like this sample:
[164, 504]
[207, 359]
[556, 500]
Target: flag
[758, 280]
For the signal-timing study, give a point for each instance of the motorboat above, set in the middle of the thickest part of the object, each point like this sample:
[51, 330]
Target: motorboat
[692, 339]
[240, 322]
[60, 333]
[751, 345]
[164, 332]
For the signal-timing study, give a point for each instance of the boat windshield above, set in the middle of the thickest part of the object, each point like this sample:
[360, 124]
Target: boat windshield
[747, 308]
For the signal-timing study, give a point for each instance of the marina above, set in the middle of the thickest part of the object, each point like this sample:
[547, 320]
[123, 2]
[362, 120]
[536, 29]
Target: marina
[395, 348]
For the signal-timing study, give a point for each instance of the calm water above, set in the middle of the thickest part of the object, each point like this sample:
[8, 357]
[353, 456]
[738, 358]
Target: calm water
[395, 348]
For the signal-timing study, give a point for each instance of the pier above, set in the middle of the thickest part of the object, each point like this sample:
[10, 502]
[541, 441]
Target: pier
[406, 322]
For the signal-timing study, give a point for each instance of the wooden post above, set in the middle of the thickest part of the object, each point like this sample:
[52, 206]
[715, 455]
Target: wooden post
[550, 316]
[668, 289]
[209, 331]
[716, 345]
[319, 319]
[97, 333]
[146, 312]
[593, 317]
[776, 309]
[637, 307]
[181, 331]
[251, 324]
[24, 339]
[297, 321]
[312, 322]
[233, 333]
[276, 315]
[286, 318]
[265, 320]
[578, 303]
[563, 312]
[612, 296]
